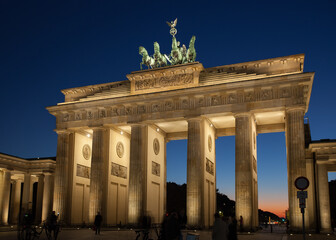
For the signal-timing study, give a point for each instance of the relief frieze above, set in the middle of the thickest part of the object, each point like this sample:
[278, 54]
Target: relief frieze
[186, 102]
[102, 113]
[166, 81]
[119, 170]
[141, 109]
[89, 115]
[155, 169]
[209, 166]
[83, 171]
[78, 116]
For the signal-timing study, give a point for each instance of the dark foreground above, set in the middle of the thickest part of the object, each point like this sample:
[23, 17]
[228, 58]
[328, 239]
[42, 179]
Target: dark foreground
[83, 234]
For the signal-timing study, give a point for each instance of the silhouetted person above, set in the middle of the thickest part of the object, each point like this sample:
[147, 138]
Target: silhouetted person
[172, 228]
[220, 229]
[241, 224]
[146, 222]
[232, 228]
[97, 222]
[52, 224]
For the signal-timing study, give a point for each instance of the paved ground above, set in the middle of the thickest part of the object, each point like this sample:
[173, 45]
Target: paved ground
[86, 234]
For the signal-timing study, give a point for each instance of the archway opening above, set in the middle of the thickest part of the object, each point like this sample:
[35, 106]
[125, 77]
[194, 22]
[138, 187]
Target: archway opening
[176, 175]
[272, 176]
[225, 175]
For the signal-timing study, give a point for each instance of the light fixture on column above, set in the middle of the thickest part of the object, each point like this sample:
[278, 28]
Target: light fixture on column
[88, 135]
[158, 130]
[211, 125]
[121, 132]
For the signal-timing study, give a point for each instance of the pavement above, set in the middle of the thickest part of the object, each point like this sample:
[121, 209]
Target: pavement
[87, 234]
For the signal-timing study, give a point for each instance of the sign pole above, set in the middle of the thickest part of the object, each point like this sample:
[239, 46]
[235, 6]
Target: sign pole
[302, 183]
[303, 224]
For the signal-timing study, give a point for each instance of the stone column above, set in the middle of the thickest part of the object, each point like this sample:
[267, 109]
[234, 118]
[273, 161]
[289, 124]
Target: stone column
[195, 172]
[39, 200]
[26, 192]
[15, 201]
[245, 189]
[99, 171]
[324, 202]
[60, 202]
[47, 195]
[6, 195]
[138, 174]
[1, 191]
[296, 165]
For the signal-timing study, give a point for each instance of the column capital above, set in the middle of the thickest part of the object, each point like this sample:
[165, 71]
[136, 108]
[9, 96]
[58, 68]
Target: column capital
[298, 108]
[47, 173]
[7, 169]
[242, 114]
[99, 128]
[63, 131]
[194, 118]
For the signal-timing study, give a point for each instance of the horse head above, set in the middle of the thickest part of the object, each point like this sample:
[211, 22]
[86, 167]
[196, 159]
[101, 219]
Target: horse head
[143, 51]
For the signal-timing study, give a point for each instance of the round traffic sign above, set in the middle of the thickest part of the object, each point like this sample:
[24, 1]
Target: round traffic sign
[301, 183]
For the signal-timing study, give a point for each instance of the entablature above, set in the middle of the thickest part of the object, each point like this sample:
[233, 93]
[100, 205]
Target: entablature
[257, 95]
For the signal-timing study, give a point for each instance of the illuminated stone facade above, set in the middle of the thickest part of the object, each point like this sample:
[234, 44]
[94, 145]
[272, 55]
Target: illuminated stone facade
[25, 184]
[111, 152]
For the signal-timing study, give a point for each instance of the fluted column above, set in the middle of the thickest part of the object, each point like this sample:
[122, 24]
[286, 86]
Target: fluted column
[195, 172]
[26, 191]
[47, 195]
[2, 173]
[138, 173]
[99, 171]
[244, 193]
[60, 203]
[15, 201]
[324, 202]
[296, 165]
[39, 200]
[6, 195]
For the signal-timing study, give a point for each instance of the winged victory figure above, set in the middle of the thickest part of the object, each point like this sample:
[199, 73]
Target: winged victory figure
[172, 24]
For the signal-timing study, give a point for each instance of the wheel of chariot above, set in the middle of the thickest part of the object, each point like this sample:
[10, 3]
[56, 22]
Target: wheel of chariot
[173, 31]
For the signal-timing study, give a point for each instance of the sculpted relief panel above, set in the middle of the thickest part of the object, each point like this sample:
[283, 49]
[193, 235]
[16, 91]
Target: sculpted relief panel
[119, 171]
[176, 80]
[83, 171]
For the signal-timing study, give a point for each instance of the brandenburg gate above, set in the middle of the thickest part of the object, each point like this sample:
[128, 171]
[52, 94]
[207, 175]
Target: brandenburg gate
[111, 151]
[111, 147]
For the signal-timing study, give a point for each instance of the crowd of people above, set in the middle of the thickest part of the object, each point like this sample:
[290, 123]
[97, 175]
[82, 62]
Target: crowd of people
[224, 228]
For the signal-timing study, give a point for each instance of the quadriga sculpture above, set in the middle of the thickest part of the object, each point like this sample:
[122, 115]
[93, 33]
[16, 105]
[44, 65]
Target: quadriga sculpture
[191, 53]
[160, 60]
[146, 59]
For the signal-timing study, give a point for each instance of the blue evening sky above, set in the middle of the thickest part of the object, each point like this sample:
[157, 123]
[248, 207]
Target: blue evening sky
[46, 46]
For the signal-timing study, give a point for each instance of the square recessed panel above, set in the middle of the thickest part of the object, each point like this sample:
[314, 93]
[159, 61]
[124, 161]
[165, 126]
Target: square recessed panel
[270, 117]
[176, 126]
[223, 121]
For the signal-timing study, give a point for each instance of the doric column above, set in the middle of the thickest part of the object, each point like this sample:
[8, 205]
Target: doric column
[39, 200]
[2, 173]
[138, 174]
[324, 202]
[61, 188]
[15, 201]
[47, 195]
[296, 165]
[99, 171]
[6, 195]
[26, 192]
[195, 172]
[246, 184]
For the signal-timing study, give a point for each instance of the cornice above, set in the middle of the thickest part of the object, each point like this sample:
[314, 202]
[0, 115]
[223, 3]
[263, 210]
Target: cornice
[301, 78]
